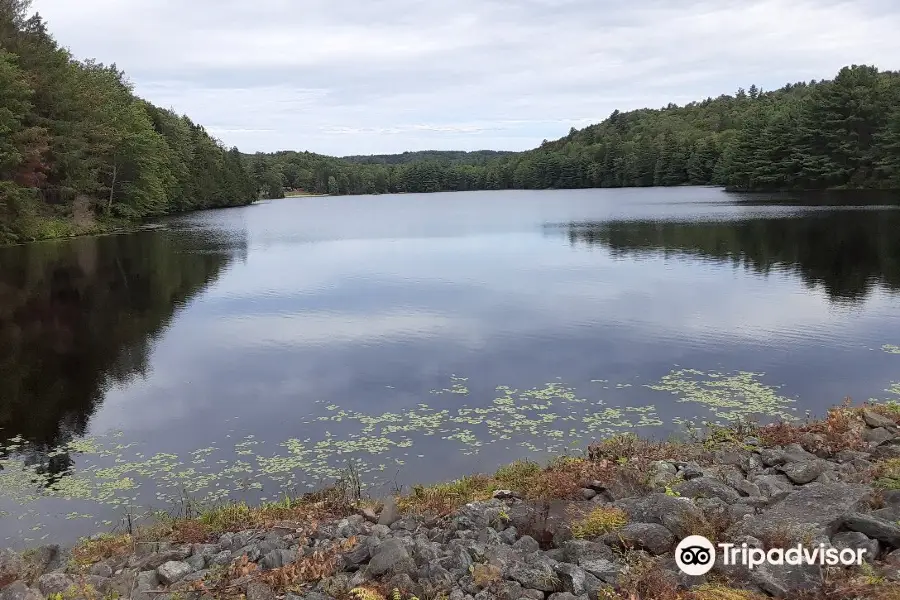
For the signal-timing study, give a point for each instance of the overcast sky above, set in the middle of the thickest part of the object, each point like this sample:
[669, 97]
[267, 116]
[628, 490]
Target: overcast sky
[373, 76]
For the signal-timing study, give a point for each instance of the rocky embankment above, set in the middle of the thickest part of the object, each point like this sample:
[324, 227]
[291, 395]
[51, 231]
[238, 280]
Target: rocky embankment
[613, 538]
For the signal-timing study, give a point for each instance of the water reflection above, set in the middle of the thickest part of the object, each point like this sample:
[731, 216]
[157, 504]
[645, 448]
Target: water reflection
[848, 253]
[80, 316]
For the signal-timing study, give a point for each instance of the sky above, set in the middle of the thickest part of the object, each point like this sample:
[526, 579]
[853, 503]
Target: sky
[347, 77]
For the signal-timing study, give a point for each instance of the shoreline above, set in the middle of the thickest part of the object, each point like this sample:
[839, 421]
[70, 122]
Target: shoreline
[601, 525]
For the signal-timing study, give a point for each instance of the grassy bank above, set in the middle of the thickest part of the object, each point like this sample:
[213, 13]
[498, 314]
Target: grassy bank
[625, 465]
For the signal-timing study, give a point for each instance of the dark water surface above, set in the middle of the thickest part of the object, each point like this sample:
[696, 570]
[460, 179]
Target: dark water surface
[243, 353]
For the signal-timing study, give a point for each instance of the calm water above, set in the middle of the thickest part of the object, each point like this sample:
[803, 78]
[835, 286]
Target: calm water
[247, 352]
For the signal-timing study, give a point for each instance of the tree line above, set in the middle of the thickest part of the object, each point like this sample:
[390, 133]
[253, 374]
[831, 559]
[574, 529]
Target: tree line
[78, 150]
[829, 134]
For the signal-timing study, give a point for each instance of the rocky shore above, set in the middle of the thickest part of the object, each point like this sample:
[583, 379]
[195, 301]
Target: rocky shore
[601, 526]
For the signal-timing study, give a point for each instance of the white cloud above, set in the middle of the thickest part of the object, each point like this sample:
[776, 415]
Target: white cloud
[347, 77]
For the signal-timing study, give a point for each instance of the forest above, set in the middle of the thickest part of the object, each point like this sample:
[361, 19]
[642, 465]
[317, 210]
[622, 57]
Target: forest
[79, 152]
[832, 134]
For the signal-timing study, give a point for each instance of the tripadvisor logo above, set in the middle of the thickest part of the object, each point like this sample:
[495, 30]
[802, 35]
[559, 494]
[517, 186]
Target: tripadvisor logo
[696, 555]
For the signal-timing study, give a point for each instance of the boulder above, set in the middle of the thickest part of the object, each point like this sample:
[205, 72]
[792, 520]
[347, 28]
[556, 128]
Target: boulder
[816, 508]
[877, 436]
[706, 487]
[54, 583]
[678, 515]
[537, 574]
[571, 578]
[390, 514]
[173, 571]
[873, 527]
[875, 420]
[802, 472]
[854, 540]
[19, 591]
[390, 557]
[785, 580]
[652, 537]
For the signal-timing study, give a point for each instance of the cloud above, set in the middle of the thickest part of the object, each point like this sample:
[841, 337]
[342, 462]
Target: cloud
[350, 77]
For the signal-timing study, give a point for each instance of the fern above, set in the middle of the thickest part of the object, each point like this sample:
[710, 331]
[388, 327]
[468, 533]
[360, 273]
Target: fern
[361, 593]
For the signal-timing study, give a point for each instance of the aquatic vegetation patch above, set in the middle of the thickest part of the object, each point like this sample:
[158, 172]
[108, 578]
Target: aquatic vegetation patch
[891, 349]
[548, 419]
[737, 396]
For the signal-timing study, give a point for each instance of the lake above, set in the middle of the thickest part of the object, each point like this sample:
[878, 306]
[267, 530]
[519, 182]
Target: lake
[251, 352]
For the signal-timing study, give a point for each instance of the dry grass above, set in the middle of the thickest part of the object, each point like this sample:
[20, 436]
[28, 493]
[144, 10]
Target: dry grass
[716, 591]
[89, 551]
[646, 580]
[600, 521]
[486, 575]
[887, 474]
[840, 430]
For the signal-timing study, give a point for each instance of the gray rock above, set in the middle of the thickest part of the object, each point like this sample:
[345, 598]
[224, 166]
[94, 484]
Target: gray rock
[706, 487]
[604, 570]
[222, 558]
[678, 515]
[537, 574]
[505, 494]
[772, 485]
[651, 537]
[588, 493]
[45, 558]
[797, 453]
[526, 545]
[815, 509]
[873, 419]
[877, 436]
[508, 535]
[893, 559]
[390, 557]
[802, 472]
[195, 576]
[147, 580]
[891, 497]
[772, 457]
[888, 513]
[854, 540]
[742, 485]
[173, 571]
[565, 596]
[19, 591]
[873, 527]
[739, 510]
[661, 472]
[277, 559]
[11, 564]
[782, 580]
[101, 569]
[196, 561]
[260, 591]
[390, 514]
[691, 471]
[369, 515]
[576, 551]
[359, 555]
[571, 578]
[226, 540]
[242, 538]
[54, 583]
[886, 450]
[251, 551]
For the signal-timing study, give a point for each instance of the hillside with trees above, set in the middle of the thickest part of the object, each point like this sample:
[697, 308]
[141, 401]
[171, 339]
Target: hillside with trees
[842, 133]
[80, 152]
